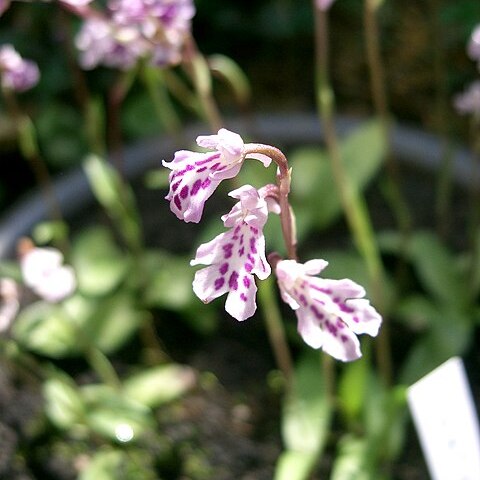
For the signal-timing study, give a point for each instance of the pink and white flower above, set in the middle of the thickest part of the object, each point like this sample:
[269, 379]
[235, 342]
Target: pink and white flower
[330, 313]
[235, 256]
[43, 271]
[102, 42]
[195, 176]
[17, 73]
[473, 47]
[324, 4]
[468, 101]
[4, 4]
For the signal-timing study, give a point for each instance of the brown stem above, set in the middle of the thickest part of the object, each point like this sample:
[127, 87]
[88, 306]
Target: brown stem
[283, 181]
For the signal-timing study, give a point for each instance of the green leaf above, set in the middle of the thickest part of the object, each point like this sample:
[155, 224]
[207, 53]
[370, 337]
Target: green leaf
[106, 465]
[116, 197]
[110, 464]
[294, 465]
[159, 385]
[113, 415]
[350, 461]
[437, 269]
[169, 282]
[307, 410]
[362, 152]
[63, 403]
[417, 311]
[10, 269]
[46, 329]
[113, 322]
[450, 334]
[98, 263]
[352, 388]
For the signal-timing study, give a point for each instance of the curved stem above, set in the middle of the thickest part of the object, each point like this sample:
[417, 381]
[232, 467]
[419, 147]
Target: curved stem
[283, 181]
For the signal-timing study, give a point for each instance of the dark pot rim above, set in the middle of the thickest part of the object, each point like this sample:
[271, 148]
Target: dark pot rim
[410, 145]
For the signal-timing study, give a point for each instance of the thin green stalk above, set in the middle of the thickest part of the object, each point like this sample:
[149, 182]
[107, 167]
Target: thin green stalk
[443, 201]
[353, 203]
[474, 217]
[116, 97]
[380, 102]
[276, 332]
[200, 75]
[155, 82]
[28, 145]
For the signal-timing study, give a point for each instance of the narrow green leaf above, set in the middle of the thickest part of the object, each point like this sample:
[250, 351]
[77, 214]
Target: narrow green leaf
[352, 388]
[116, 197]
[307, 410]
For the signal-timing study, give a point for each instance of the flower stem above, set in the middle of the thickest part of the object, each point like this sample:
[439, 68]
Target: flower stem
[199, 72]
[28, 145]
[353, 203]
[283, 181]
[276, 332]
[380, 102]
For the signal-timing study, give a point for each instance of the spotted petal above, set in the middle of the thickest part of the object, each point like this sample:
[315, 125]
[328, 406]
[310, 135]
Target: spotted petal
[329, 312]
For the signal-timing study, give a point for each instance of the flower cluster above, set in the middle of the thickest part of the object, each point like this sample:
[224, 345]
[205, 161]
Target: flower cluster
[130, 30]
[330, 312]
[16, 73]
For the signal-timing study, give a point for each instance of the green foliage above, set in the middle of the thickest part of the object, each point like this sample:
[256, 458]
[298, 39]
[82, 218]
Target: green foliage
[362, 152]
[116, 197]
[100, 266]
[306, 420]
[159, 385]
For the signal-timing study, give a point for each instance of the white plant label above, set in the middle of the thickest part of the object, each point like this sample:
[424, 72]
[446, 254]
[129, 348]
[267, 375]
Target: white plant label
[444, 415]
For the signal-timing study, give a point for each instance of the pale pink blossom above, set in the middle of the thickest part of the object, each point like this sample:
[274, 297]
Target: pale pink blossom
[324, 4]
[330, 313]
[16, 73]
[102, 42]
[468, 102]
[473, 47]
[235, 256]
[9, 302]
[195, 176]
[4, 4]
[44, 273]
[76, 3]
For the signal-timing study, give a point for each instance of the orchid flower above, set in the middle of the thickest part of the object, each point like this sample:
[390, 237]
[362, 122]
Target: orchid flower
[469, 100]
[324, 4]
[473, 47]
[330, 312]
[43, 271]
[16, 73]
[235, 256]
[195, 176]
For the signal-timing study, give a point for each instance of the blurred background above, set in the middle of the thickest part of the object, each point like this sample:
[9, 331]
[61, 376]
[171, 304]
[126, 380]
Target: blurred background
[423, 46]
